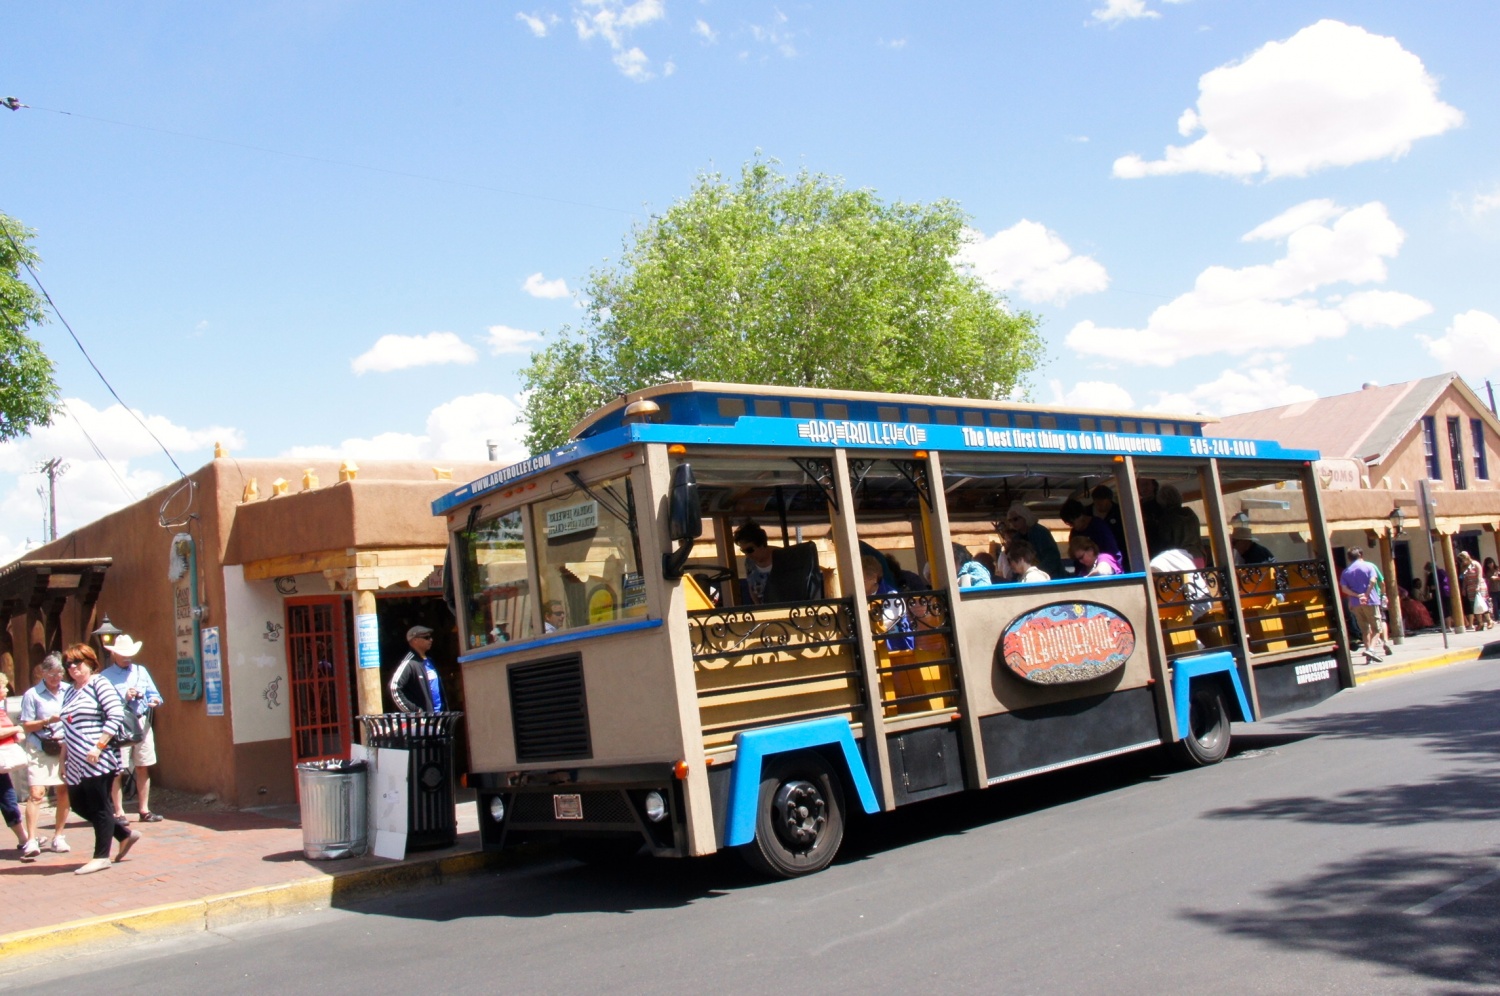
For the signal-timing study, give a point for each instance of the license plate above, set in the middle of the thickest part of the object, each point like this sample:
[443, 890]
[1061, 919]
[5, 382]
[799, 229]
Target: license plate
[567, 807]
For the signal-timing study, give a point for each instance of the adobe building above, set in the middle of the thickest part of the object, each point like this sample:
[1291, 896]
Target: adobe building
[1376, 444]
[272, 598]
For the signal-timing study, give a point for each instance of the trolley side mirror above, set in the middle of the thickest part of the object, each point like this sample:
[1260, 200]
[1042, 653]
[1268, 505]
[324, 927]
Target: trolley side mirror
[684, 520]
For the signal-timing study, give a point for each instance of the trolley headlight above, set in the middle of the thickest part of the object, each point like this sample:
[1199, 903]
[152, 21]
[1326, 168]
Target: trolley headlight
[497, 809]
[656, 807]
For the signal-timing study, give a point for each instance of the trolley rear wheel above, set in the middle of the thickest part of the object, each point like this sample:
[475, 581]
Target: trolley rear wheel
[1207, 741]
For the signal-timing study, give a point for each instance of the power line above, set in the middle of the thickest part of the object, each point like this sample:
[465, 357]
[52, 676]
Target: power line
[98, 452]
[79, 343]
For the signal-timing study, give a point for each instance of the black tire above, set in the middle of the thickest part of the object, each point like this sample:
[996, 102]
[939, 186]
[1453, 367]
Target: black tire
[1208, 736]
[601, 850]
[799, 817]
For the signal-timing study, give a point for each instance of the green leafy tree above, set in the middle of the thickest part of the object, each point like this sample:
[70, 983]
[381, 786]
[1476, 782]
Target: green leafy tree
[28, 394]
[793, 281]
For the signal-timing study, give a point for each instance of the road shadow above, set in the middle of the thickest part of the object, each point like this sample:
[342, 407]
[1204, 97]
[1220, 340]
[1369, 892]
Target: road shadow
[1461, 728]
[1356, 909]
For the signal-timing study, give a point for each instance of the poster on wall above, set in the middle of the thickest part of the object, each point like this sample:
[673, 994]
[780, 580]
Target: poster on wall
[367, 638]
[213, 672]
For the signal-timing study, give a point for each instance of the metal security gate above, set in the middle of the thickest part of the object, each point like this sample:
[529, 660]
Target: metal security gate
[317, 661]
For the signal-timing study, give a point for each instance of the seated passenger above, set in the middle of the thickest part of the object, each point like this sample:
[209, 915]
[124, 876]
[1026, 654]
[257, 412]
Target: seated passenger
[970, 571]
[1188, 562]
[1021, 554]
[1247, 552]
[1090, 560]
[782, 574]
[1044, 548]
[1107, 509]
[1178, 527]
[755, 545]
[1081, 519]
[906, 580]
[892, 617]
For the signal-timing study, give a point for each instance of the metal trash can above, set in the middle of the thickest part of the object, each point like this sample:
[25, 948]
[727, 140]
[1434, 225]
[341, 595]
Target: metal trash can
[431, 817]
[334, 818]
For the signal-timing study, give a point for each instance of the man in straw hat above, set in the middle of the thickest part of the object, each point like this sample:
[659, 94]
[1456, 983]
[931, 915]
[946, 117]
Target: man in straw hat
[137, 692]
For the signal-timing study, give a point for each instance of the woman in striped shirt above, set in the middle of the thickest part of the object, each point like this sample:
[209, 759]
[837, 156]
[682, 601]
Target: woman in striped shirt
[92, 716]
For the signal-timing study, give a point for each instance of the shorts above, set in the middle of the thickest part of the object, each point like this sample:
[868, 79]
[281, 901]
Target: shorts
[141, 755]
[44, 769]
[1365, 619]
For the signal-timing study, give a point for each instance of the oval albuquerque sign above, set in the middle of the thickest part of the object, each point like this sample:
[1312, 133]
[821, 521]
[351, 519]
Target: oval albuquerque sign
[1066, 642]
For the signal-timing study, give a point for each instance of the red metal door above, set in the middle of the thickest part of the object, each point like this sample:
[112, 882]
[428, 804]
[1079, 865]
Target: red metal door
[318, 666]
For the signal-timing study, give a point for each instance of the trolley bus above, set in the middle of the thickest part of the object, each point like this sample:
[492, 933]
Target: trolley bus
[641, 671]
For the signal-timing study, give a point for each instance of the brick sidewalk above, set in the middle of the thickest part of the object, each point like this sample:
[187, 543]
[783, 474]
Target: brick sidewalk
[186, 857]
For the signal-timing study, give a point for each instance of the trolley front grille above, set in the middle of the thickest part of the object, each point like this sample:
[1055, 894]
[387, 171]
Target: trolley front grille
[548, 710]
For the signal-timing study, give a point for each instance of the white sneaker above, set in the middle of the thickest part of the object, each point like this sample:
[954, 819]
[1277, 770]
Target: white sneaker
[30, 850]
[59, 845]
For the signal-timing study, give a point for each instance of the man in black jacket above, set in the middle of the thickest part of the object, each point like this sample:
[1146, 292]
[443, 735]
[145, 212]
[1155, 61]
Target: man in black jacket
[415, 686]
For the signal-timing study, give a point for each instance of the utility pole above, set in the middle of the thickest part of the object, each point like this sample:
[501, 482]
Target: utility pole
[54, 469]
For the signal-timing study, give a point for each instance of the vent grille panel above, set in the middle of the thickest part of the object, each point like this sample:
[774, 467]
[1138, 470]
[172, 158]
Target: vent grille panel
[548, 710]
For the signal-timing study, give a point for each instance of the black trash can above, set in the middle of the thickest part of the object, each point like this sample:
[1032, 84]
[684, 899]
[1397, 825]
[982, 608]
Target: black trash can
[431, 820]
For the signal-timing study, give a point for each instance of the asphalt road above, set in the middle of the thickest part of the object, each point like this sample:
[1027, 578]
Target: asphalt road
[1353, 848]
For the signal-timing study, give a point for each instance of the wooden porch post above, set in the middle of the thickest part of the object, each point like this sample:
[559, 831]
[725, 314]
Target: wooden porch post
[1392, 590]
[1455, 585]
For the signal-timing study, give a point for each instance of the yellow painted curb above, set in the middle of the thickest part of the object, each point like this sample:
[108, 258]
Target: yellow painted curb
[194, 915]
[1426, 664]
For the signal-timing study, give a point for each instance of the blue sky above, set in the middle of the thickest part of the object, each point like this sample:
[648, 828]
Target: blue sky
[339, 228]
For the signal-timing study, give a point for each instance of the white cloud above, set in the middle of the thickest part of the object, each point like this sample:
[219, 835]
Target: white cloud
[400, 352]
[895, 44]
[1331, 95]
[91, 487]
[1298, 216]
[1261, 307]
[702, 29]
[1115, 11]
[614, 20]
[634, 64]
[775, 34]
[456, 430]
[1093, 394]
[1479, 205]
[537, 286]
[539, 24]
[1236, 391]
[1032, 260]
[1471, 344]
[1391, 309]
[504, 339]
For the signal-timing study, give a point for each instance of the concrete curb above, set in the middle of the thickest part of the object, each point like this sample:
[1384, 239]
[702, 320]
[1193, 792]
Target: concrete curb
[196, 915]
[1376, 672]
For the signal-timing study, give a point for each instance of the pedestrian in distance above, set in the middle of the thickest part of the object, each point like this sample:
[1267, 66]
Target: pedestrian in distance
[1358, 583]
[139, 694]
[41, 709]
[415, 685]
[13, 761]
[93, 716]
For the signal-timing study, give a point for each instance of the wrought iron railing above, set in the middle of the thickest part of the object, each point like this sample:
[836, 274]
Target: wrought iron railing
[1194, 610]
[774, 663]
[914, 653]
[1286, 605]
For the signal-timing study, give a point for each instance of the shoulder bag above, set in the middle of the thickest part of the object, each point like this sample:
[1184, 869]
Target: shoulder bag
[130, 729]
